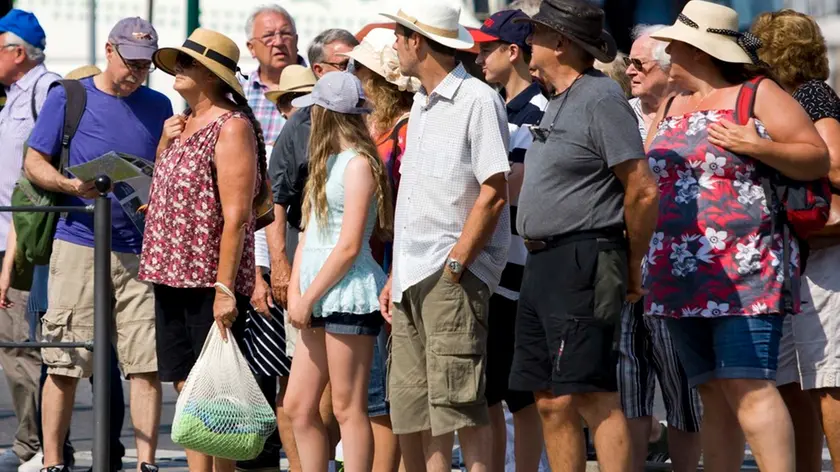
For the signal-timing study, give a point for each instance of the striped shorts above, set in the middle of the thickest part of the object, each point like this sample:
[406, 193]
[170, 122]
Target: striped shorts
[647, 353]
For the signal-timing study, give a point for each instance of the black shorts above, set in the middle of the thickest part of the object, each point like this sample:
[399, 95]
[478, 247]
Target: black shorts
[567, 329]
[183, 318]
[369, 324]
[500, 342]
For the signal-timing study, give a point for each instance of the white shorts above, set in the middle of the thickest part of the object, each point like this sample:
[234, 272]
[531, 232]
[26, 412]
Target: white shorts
[809, 352]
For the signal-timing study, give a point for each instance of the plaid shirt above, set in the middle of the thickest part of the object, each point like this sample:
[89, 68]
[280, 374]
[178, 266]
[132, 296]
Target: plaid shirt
[266, 113]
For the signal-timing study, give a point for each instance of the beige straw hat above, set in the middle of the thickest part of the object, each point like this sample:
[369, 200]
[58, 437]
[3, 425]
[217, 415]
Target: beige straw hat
[295, 78]
[435, 20]
[713, 29]
[83, 72]
[377, 53]
[213, 50]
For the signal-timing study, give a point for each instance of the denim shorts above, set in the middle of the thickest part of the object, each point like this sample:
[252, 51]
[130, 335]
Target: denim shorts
[377, 405]
[730, 347]
[349, 323]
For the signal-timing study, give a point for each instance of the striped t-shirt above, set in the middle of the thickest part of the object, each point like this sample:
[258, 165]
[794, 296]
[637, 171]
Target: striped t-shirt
[524, 110]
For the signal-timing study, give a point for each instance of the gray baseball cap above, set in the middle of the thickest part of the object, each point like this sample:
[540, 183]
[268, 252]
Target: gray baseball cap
[340, 92]
[135, 39]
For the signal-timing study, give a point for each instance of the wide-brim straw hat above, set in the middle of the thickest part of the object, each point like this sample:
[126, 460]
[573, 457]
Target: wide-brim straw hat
[436, 21]
[713, 29]
[294, 78]
[83, 72]
[376, 52]
[213, 50]
[581, 22]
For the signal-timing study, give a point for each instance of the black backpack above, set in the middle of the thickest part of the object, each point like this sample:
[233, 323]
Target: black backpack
[36, 231]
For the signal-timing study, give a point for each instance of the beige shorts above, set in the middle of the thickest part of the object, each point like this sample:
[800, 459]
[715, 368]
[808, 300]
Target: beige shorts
[809, 352]
[69, 317]
[438, 354]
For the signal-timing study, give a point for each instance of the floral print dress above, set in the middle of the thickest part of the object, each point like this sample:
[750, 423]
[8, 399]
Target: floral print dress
[712, 253]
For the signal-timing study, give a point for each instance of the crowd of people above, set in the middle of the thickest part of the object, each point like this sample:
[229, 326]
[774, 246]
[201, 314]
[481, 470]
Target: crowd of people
[422, 228]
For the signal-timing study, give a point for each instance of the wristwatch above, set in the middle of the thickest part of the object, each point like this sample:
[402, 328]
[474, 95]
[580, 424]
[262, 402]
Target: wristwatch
[454, 266]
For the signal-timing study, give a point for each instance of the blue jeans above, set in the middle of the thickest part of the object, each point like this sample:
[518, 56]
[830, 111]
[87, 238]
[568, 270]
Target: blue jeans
[377, 404]
[730, 347]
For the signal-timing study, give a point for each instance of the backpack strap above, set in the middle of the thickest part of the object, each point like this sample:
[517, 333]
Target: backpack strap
[745, 103]
[73, 111]
[33, 107]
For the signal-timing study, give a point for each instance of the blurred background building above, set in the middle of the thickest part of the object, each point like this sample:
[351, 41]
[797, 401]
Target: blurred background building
[77, 29]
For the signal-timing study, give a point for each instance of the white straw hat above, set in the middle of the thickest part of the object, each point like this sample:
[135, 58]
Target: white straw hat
[434, 20]
[377, 53]
[713, 29]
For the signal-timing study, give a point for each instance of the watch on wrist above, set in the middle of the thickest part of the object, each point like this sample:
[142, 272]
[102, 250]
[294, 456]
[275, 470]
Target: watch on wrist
[454, 266]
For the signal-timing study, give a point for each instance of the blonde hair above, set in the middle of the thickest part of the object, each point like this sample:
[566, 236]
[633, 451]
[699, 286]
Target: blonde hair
[329, 130]
[389, 103]
[617, 70]
[793, 47]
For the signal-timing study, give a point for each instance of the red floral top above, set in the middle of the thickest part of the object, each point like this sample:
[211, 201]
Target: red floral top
[184, 220]
[713, 253]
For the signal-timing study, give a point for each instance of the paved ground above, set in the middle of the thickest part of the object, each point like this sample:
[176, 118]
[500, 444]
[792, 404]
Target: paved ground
[170, 456]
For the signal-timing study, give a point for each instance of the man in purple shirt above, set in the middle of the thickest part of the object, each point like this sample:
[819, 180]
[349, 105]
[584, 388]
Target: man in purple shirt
[124, 116]
[25, 80]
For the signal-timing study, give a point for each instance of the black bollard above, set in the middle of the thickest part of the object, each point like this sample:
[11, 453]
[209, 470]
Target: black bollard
[102, 326]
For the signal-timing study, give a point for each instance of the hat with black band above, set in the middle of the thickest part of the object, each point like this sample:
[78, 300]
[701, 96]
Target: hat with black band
[213, 50]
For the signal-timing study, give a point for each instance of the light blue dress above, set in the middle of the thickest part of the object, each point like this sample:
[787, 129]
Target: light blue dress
[358, 291]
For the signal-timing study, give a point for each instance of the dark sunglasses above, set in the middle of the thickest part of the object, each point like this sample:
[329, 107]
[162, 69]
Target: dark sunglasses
[637, 64]
[184, 62]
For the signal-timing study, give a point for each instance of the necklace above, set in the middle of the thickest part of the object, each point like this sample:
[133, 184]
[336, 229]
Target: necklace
[541, 134]
[696, 107]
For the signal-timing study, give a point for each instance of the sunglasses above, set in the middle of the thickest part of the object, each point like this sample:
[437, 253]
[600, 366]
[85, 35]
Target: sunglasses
[184, 62]
[637, 63]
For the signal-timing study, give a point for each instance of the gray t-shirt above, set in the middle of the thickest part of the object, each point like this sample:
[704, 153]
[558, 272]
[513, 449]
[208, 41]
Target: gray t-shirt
[569, 185]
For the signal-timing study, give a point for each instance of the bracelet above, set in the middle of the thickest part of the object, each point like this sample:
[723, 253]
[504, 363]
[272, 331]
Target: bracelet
[224, 289]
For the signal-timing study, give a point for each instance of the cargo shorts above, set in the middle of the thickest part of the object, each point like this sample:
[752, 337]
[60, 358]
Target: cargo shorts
[438, 353]
[69, 316]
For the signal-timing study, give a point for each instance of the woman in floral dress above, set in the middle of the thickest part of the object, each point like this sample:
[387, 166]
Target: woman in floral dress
[714, 268]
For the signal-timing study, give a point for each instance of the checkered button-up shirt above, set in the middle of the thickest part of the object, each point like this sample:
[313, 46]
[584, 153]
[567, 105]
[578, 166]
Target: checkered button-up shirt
[457, 139]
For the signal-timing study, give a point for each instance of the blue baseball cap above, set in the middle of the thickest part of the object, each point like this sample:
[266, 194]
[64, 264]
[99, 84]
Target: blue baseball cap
[501, 27]
[24, 25]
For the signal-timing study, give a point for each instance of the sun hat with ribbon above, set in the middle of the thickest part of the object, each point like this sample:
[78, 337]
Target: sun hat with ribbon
[294, 78]
[713, 29]
[211, 49]
[579, 21]
[377, 53]
[434, 20]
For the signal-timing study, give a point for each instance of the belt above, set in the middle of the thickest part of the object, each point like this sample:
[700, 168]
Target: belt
[613, 239]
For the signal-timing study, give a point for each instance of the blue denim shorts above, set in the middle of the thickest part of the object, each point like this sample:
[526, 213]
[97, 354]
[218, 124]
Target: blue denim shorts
[377, 405]
[730, 347]
[349, 323]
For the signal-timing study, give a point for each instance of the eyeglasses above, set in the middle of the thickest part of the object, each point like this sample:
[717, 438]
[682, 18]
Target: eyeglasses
[274, 37]
[184, 62]
[135, 67]
[638, 64]
[342, 66]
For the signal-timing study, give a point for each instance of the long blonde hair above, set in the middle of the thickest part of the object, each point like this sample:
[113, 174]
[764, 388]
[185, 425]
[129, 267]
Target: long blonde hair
[329, 129]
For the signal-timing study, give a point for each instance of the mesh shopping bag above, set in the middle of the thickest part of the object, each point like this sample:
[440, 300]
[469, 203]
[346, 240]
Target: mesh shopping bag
[221, 411]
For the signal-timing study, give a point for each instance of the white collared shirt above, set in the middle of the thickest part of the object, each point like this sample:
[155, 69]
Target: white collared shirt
[457, 138]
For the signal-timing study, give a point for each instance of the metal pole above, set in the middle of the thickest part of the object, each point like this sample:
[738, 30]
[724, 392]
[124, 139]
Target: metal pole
[93, 44]
[102, 326]
[193, 16]
[150, 12]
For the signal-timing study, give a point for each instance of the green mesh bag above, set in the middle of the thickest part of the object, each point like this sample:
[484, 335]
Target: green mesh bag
[221, 411]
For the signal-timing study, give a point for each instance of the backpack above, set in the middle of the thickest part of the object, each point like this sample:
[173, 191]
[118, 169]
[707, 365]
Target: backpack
[804, 207]
[36, 230]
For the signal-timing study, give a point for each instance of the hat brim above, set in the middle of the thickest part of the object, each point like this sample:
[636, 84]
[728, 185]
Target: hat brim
[718, 46]
[164, 60]
[464, 41]
[482, 37]
[308, 100]
[133, 52]
[275, 95]
[605, 50]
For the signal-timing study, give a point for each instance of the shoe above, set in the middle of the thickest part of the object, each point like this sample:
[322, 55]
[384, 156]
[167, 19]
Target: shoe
[146, 467]
[33, 465]
[9, 461]
[55, 468]
[658, 450]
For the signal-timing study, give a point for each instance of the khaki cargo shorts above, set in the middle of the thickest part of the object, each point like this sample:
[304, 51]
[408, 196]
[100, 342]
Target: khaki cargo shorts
[69, 317]
[438, 355]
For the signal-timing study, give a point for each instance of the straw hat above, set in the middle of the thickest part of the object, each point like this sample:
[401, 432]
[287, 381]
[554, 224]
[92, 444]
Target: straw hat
[377, 53]
[713, 29]
[295, 78]
[436, 21]
[360, 35]
[213, 50]
[83, 72]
